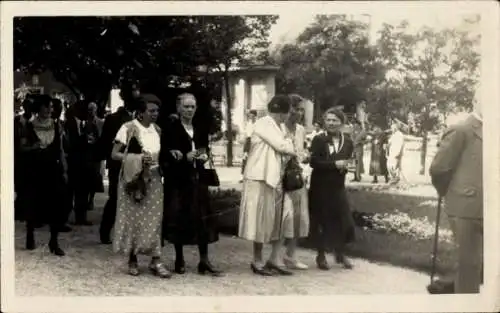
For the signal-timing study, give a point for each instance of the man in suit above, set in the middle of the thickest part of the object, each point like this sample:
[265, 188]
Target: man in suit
[110, 128]
[457, 175]
[77, 148]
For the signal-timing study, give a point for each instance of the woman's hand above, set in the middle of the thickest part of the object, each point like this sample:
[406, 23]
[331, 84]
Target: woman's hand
[203, 157]
[176, 154]
[147, 158]
[191, 156]
[341, 164]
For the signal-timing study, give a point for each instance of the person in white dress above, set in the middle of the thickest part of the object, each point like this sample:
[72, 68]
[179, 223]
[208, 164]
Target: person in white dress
[295, 206]
[139, 213]
[261, 209]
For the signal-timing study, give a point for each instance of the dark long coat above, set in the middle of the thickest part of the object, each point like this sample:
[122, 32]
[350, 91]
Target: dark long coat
[188, 217]
[331, 218]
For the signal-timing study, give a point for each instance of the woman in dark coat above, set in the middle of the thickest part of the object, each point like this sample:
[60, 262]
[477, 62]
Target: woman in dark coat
[45, 163]
[188, 217]
[378, 158]
[330, 214]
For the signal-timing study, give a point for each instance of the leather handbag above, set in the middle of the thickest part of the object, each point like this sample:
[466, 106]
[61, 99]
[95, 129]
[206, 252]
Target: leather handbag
[209, 176]
[293, 178]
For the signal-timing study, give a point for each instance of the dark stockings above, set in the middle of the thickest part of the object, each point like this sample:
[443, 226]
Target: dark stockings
[30, 235]
[179, 252]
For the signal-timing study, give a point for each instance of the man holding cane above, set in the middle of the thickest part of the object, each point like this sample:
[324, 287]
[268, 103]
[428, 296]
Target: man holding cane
[457, 175]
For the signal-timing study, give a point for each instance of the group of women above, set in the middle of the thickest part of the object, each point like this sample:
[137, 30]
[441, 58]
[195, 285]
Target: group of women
[272, 212]
[163, 189]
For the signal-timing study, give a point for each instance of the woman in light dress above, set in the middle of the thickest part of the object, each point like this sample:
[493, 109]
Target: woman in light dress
[261, 210]
[139, 218]
[295, 206]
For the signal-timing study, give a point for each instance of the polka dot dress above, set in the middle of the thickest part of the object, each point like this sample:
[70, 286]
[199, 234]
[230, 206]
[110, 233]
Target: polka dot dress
[138, 226]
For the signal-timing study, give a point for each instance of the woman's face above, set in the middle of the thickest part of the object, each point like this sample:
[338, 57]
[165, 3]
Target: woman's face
[187, 108]
[46, 111]
[151, 113]
[332, 123]
[296, 114]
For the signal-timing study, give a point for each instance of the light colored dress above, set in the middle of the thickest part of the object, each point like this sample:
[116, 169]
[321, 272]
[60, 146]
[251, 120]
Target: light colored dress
[138, 226]
[261, 209]
[295, 221]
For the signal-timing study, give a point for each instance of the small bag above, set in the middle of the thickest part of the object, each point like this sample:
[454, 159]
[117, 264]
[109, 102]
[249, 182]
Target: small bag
[209, 176]
[293, 178]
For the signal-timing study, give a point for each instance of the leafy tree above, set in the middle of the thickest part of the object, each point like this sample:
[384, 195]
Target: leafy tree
[331, 63]
[430, 74]
[91, 55]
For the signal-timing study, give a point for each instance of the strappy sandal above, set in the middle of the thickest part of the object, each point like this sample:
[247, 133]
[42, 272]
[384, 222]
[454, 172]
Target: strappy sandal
[159, 269]
[133, 269]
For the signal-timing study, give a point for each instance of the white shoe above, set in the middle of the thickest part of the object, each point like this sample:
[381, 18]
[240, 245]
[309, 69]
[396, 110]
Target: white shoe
[294, 265]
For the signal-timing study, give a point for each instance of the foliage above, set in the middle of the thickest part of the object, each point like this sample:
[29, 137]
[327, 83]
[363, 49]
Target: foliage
[431, 73]
[331, 62]
[92, 54]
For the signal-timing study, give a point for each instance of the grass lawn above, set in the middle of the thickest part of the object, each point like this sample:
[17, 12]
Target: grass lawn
[378, 246]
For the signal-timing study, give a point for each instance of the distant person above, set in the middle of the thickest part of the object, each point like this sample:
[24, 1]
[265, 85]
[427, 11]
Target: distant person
[395, 152]
[252, 116]
[316, 131]
[457, 175]
[378, 157]
[359, 139]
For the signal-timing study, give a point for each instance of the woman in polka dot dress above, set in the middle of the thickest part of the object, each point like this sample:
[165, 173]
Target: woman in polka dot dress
[138, 223]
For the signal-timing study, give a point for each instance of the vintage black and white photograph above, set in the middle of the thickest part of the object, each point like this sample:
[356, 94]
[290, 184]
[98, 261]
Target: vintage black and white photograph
[165, 152]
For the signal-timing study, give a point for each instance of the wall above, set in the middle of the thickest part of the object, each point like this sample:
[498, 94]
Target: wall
[249, 91]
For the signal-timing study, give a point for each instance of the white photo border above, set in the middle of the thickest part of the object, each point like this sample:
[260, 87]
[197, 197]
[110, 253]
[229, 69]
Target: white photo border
[489, 88]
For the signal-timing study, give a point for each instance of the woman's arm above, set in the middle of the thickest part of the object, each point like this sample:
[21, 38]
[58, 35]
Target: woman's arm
[279, 143]
[116, 153]
[318, 158]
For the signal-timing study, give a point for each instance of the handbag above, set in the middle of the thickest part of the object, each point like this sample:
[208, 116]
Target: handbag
[209, 176]
[293, 178]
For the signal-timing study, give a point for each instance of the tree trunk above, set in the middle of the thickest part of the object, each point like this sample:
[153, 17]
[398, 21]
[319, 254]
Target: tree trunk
[229, 121]
[423, 152]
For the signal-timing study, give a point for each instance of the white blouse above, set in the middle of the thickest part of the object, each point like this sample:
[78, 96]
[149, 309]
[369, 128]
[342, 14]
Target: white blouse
[148, 136]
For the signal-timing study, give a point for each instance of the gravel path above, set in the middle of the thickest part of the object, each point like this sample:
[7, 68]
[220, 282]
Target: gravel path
[91, 269]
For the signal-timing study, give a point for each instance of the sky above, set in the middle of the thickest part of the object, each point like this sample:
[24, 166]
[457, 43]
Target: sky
[290, 25]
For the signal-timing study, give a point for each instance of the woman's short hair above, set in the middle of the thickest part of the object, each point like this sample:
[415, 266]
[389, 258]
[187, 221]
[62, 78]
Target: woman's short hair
[279, 104]
[144, 99]
[40, 101]
[295, 100]
[338, 113]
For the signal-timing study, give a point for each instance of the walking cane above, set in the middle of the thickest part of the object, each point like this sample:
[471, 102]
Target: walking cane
[436, 239]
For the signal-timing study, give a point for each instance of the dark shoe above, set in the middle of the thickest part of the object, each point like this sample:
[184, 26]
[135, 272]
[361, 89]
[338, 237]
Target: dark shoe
[322, 263]
[133, 269]
[278, 269]
[207, 267]
[30, 241]
[65, 229]
[180, 267]
[55, 249]
[344, 262]
[159, 269]
[263, 271]
[441, 287]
